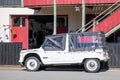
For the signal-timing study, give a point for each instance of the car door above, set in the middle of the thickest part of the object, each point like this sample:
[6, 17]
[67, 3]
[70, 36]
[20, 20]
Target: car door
[54, 48]
[75, 49]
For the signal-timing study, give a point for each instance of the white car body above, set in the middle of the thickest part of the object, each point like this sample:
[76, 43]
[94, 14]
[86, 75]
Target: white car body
[65, 56]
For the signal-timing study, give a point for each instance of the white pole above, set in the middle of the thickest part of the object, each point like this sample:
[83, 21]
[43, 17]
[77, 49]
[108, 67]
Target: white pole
[83, 15]
[55, 17]
[22, 3]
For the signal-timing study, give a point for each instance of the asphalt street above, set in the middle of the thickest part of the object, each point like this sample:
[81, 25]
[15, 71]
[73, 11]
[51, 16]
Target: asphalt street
[58, 74]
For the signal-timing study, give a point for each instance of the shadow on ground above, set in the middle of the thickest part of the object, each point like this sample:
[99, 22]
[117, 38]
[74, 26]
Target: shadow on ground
[72, 69]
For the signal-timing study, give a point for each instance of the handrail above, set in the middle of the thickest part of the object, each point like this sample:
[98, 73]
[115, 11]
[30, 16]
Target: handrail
[4, 31]
[105, 13]
[103, 17]
[109, 12]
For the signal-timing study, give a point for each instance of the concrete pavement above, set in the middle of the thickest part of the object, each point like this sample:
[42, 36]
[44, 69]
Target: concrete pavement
[19, 67]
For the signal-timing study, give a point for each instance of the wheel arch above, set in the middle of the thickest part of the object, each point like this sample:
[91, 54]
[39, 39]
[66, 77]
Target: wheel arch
[89, 58]
[31, 55]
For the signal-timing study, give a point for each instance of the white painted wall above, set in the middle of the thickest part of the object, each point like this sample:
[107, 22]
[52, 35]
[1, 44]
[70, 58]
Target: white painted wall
[5, 20]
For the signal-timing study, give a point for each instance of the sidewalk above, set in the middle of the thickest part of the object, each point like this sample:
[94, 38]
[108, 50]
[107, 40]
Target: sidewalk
[11, 67]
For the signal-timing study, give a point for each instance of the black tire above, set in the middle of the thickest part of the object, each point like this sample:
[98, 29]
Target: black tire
[32, 64]
[92, 65]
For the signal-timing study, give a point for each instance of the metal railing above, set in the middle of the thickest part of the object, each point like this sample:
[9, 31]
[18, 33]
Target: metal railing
[100, 17]
[4, 34]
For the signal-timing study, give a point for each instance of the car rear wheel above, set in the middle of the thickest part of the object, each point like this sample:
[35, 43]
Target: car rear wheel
[32, 64]
[92, 65]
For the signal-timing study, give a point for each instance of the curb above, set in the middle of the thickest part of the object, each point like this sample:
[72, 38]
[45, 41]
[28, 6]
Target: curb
[114, 69]
[11, 67]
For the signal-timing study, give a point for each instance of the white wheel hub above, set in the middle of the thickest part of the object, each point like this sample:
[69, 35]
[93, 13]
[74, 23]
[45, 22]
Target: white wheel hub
[31, 64]
[92, 65]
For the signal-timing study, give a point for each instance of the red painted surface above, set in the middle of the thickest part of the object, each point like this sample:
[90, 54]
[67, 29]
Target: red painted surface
[87, 39]
[62, 30]
[20, 34]
[109, 23]
[50, 2]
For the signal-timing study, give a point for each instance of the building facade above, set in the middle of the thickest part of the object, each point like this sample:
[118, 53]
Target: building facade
[32, 23]
[7, 10]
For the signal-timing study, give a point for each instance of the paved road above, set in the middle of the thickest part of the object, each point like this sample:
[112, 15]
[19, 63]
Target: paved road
[58, 74]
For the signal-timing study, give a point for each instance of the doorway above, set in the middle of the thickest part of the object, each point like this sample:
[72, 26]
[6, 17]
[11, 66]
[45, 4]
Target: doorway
[32, 29]
[39, 27]
[42, 25]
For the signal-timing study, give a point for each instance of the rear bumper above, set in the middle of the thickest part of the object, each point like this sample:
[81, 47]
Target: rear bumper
[106, 59]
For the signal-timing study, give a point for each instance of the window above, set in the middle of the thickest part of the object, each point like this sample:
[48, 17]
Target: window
[54, 43]
[83, 41]
[62, 21]
[18, 22]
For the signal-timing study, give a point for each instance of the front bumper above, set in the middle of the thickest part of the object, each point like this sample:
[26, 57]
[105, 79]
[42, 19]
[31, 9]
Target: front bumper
[21, 59]
[21, 64]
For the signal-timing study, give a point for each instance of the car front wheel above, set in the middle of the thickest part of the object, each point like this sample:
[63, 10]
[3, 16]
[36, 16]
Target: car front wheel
[92, 65]
[32, 64]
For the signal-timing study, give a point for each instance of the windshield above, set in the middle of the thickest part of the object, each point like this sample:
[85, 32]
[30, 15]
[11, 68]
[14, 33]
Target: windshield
[54, 43]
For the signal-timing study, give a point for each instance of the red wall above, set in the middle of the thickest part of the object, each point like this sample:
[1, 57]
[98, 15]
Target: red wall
[109, 23]
[50, 2]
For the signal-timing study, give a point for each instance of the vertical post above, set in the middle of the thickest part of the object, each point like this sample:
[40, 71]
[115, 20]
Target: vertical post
[94, 24]
[22, 3]
[55, 17]
[83, 15]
